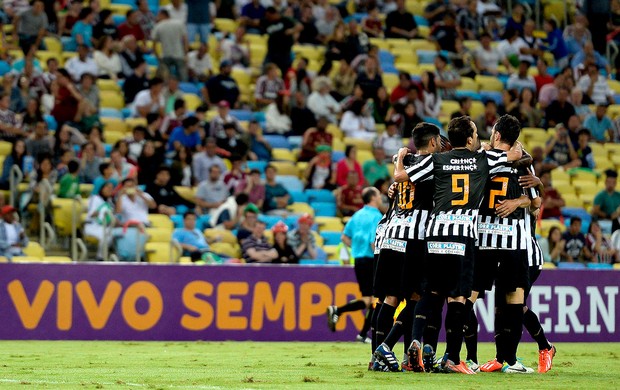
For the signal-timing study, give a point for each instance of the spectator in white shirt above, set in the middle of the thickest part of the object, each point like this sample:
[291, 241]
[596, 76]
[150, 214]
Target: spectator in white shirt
[133, 203]
[595, 86]
[486, 57]
[391, 141]
[81, 64]
[521, 79]
[107, 59]
[277, 115]
[150, 100]
[177, 9]
[203, 161]
[199, 63]
[357, 122]
[320, 102]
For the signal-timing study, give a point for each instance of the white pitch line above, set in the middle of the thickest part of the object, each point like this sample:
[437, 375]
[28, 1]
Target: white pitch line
[45, 382]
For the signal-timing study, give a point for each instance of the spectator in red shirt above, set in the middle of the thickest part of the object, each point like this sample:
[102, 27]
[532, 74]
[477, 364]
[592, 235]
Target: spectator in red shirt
[347, 164]
[552, 200]
[350, 195]
[542, 78]
[403, 87]
[66, 100]
[313, 137]
[132, 26]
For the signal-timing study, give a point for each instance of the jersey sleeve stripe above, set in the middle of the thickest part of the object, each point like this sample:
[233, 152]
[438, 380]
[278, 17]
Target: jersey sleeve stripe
[421, 171]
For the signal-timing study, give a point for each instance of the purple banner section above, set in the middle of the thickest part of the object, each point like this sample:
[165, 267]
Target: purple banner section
[246, 302]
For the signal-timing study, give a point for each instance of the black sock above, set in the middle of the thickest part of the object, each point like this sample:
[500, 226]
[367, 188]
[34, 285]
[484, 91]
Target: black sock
[514, 327]
[399, 327]
[373, 326]
[455, 320]
[470, 332]
[355, 305]
[367, 322]
[500, 335]
[420, 317]
[532, 324]
[433, 323]
[385, 322]
[407, 320]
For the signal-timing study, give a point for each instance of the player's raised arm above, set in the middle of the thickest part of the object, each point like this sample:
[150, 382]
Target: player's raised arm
[421, 171]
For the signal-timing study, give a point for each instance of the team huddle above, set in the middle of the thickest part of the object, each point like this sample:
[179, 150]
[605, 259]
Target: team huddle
[462, 219]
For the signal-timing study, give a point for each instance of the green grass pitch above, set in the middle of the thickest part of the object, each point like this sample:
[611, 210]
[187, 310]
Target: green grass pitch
[213, 365]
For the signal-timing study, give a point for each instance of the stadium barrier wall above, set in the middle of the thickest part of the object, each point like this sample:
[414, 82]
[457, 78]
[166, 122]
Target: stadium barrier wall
[250, 302]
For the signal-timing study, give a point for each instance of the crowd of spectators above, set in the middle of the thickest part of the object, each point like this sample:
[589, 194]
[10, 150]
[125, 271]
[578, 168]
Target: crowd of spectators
[51, 114]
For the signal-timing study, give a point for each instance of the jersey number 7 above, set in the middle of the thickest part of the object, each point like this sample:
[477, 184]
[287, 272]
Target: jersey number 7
[494, 193]
[460, 184]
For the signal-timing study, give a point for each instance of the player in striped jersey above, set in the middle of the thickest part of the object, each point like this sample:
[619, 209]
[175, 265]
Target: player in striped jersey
[546, 350]
[399, 272]
[501, 255]
[460, 176]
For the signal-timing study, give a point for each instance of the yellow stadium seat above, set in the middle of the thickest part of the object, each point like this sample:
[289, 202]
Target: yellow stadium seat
[224, 25]
[614, 85]
[57, 259]
[404, 54]
[333, 224]
[584, 175]
[66, 56]
[161, 252]
[572, 200]
[192, 101]
[16, 54]
[62, 215]
[359, 143]
[26, 259]
[477, 109]
[380, 43]
[161, 221]
[53, 44]
[279, 154]
[111, 99]
[585, 187]
[363, 156]
[603, 164]
[220, 235]
[612, 148]
[471, 44]
[617, 266]
[158, 234]
[133, 122]
[397, 42]
[34, 249]
[113, 124]
[613, 111]
[3, 259]
[449, 106]
[285, 168]
[489, 83]
[255, 39]
[241, 77]
[412, 69]
[559, 174]
[332, 252]
[257, 54]
[424, 31]
[338, 145]
[548, 265]
[44, 55]
[547, 224]
[468, 84]
[5, 148]
[187, 193]
[335, 131]
[310, 52]
[226, 249]
[300, 208]
[421, 44]
[301, 169]
[112, 137]
[318, 239]
[563, 187]
[119, 9]
[108, 85]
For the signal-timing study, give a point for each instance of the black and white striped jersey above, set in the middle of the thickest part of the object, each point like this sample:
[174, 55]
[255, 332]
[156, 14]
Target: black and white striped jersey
[413, 205]
[382, 226]
[495, 232]
[534, 253]
[460, 177]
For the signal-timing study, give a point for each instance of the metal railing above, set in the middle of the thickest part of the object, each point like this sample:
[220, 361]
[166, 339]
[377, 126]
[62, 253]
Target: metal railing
[15, 177]
[78, 248]
[107, 232]
[47, 235]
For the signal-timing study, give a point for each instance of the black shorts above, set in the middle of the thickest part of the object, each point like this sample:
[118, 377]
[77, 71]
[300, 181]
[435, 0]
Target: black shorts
[450, 266]
[364, 268]
[506, 268]
[399, 272]
[414, 270]
[534, 273]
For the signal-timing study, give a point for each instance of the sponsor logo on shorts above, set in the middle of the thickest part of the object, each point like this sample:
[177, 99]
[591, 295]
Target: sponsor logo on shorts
[395, 245]
[446, 248]
[454, 218]
[496, 228]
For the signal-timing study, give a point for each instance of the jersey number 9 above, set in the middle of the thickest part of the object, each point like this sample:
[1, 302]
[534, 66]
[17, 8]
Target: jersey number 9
[460, 184]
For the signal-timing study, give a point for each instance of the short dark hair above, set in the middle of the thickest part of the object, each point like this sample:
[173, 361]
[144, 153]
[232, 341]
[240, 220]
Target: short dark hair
[162, 168]
[229, 125]
[611, 173]
[188, 214]
[152, 117]
[509, 128]
[574, 219]
[368, 193]
[242, 198]
[179, 103]
[73, 166]
[585, 131]
[103, 167]
[443, 58]
[139, 129]
[459, 129]
[164, 12]
[190, 121]
[422, 134]
[271, 167]
[155, 81]
[348, 149]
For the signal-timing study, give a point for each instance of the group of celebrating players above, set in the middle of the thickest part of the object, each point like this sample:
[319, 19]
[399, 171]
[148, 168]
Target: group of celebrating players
[462, 218]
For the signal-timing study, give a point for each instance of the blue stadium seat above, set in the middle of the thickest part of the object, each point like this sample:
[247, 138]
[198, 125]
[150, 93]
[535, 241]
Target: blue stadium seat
[311, 262]
[105, 112]
[119, 19]
[471, 94]
[426, 56]
[617, 98]
[298, 196]
[4, 68]
[420, 20]
[320, 196]
[181, 209]
[278, 141]
[189, 88]
[270, 220]
[388, 68]
[242, 115]
[51, 122]
[565, 265]
[68, 44]
[331, 238]
[177, 220]
[154, 6]
[260, 165]
[324, 209]
[434, 121]
[337, 155]
[295, 141]
[131, 3]
[385, 57]
[600, 266]
[260, 117]
[126, 112]
[491, 95]
[151, 60]
[291, 183]
[203, 222]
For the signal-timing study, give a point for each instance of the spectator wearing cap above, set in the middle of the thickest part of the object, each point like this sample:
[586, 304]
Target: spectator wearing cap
[376, 169]
[186, 135]
[595, 86]
[303, 241]
[150, 100]
[606, 205]
[260, 149]
[250, 217]
[320, 102]
[400, 23]
[277, 198]
[175, 45]
[445, 34]
[286, 253]
[223, 117]
[192, 240]
[80, 64]
[560, 110]
[13, 238]
[164, 194]
[222, 87]
[313, 137]
[600, 125]
[320, 172]
[212, 192]
[349, 196]
[31, 27]
[521, 79]
[268, 86]
[256, 248]
[205, 159]
[446, 79]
